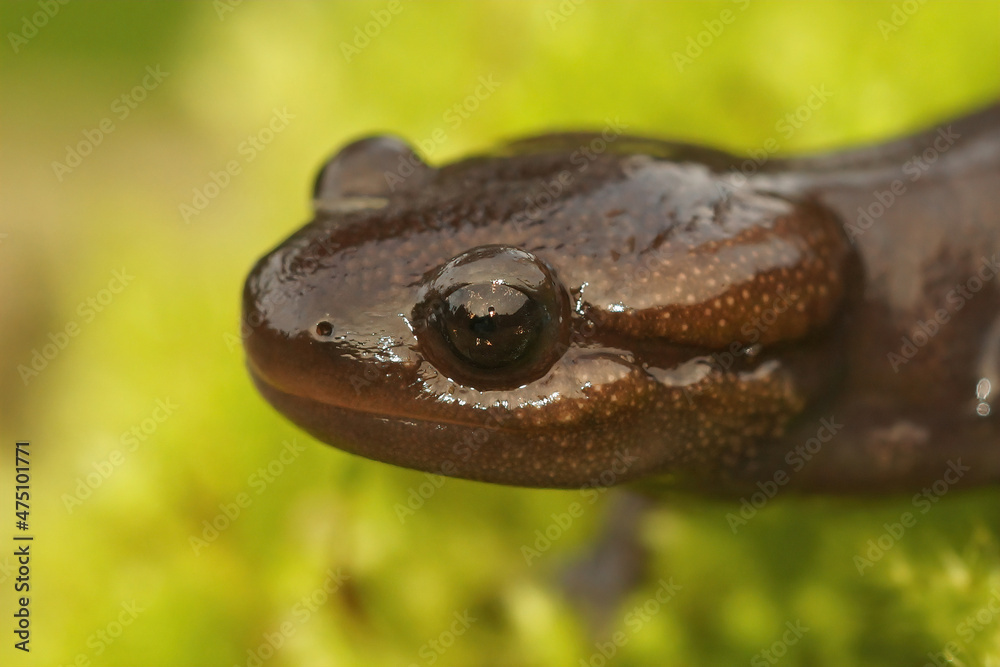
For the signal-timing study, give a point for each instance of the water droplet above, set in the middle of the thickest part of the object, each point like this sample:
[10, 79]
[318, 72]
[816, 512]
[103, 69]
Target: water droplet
[983, 389]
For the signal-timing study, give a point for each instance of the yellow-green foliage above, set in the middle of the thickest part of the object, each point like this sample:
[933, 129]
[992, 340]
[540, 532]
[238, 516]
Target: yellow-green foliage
[172, 335]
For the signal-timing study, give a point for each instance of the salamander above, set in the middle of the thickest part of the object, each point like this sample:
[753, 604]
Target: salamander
[598, 308]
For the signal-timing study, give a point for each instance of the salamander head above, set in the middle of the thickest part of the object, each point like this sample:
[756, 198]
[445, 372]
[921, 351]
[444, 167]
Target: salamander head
[547, 315]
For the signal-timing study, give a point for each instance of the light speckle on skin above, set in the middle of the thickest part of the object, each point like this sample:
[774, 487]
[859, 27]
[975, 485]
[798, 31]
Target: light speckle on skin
[677, 268]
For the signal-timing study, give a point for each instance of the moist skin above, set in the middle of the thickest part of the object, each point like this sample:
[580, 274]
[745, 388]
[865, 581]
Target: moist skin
[637, 309]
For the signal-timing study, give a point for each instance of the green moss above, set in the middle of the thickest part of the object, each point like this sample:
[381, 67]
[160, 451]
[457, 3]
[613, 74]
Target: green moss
[173, 333]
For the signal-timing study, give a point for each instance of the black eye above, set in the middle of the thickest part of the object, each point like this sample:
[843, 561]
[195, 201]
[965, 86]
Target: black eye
[490, 326]
[493, 317]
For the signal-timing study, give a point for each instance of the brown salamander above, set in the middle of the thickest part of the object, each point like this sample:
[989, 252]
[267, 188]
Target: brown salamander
[579, 308]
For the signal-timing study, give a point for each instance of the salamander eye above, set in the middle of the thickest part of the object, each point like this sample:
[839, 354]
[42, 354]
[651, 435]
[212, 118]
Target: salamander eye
[493, 317]
[490, 326]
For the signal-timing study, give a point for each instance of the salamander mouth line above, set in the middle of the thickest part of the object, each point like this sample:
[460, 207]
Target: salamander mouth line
[376, 411]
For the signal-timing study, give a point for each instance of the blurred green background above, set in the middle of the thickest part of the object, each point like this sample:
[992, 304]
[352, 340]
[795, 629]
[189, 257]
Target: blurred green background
[123, 488]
